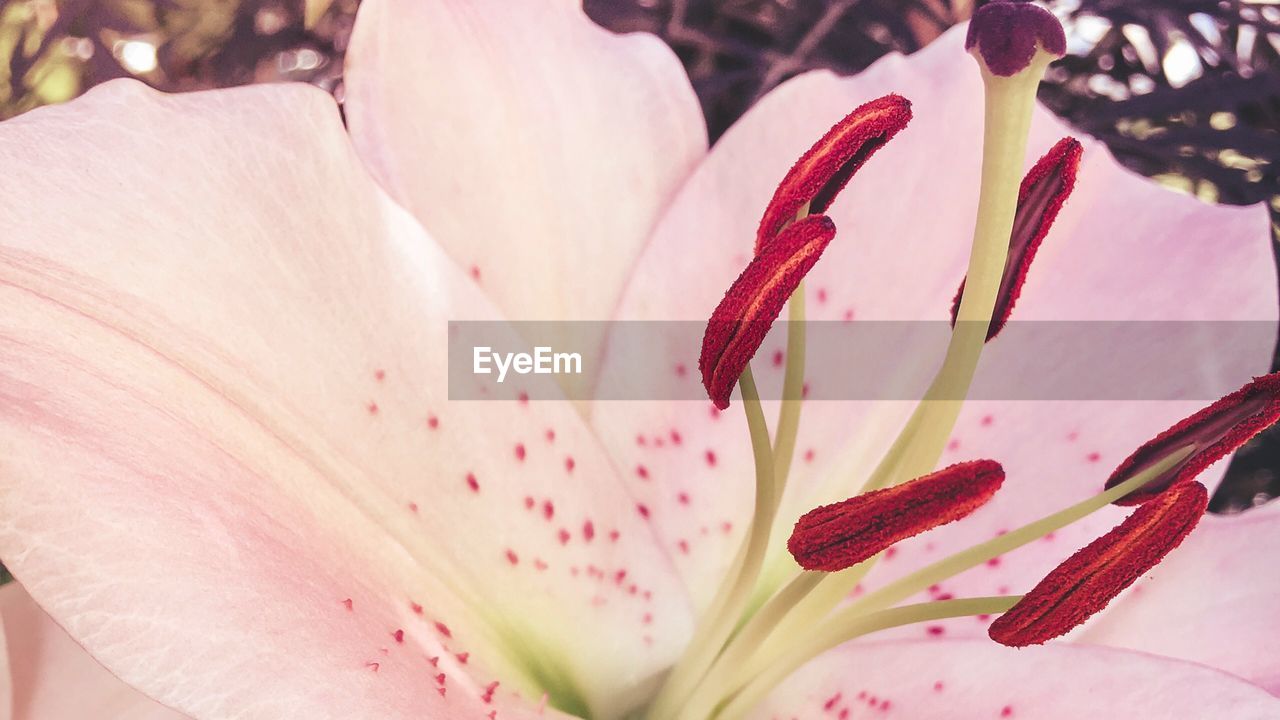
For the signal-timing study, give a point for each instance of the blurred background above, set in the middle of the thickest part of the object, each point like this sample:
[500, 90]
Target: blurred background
[1184, 91]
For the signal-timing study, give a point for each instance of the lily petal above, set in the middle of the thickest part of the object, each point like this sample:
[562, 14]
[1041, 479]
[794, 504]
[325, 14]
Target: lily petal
[1210, 602]
[535, 146]
[53, 678]
[974, 679]
[1121, 249]
[230, 466]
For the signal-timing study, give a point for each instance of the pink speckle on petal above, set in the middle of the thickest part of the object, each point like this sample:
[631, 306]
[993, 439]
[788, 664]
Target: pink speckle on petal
[569, 464]
[588, 531]
[1093, 457]
[1006, 711]
[642, 472]
[512, 557]
[347, 604]
[398, 635]
[433, 422]
[711, 458]
[379, 375]
[473, 483]
[520, 452]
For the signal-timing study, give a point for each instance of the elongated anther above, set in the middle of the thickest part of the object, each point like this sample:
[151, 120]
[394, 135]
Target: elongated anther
[1006, 35]
[1045, 188]
[1089, 579]
[743, 318]
[841, 535]
[1214, 432]
[823, 171]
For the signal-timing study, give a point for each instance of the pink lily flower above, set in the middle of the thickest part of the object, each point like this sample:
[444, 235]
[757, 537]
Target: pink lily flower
[231, 473]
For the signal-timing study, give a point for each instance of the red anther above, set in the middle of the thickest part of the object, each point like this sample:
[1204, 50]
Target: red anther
[1089, 579]
[1045, 189]
[1007, 34]
[822, 172]
[1215, 431]
[743, 318]
[837, 536]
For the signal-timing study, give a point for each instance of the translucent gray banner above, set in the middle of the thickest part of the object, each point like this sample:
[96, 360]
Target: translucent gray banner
[864, 360]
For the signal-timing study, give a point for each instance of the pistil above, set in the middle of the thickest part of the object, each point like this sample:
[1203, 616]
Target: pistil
[1009, 101]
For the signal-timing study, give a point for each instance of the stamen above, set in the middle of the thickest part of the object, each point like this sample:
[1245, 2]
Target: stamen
[1089, 579]
[1045, 189]
[742, 319]
[823, 171]
[1213, 432]
[1008, 34]
[834, 537]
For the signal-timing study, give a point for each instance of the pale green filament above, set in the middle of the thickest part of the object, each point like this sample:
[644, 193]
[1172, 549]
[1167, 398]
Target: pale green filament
[792, 391]
[841, 630]
[721, 619]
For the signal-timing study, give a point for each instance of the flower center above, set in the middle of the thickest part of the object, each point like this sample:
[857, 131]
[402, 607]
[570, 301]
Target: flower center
[758, 630]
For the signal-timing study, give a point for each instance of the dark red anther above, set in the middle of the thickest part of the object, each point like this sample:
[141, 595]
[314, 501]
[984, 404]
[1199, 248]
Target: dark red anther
[1045, 189]
[823, 171]
[1214, 432]
[743, 318]
[1007, 34]
[1089, 579]
[834, 537]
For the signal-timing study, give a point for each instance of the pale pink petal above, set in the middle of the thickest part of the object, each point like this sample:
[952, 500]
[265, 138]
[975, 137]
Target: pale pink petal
[231, 468]
[1213, 601]
[977, 680]
[535, 146]
[53, 678]
[1122, 249]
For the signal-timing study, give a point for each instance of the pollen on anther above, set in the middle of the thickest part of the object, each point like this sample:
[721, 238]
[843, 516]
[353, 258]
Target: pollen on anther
[833, 537]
